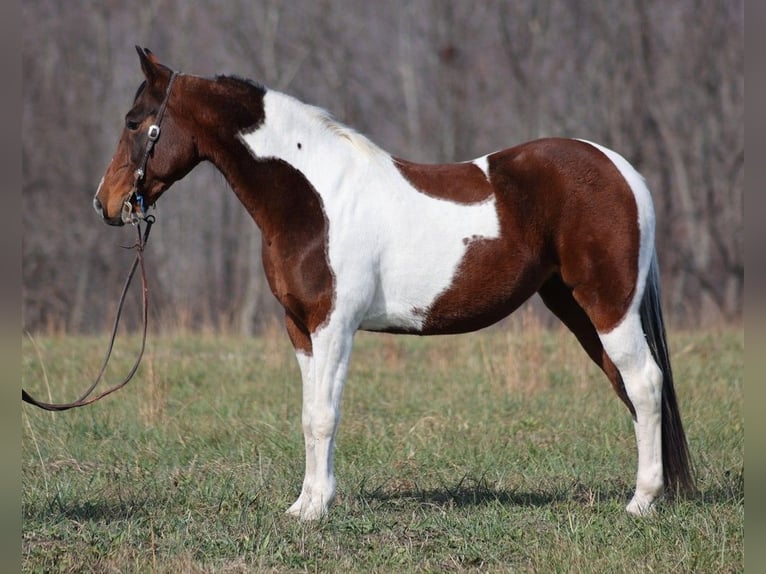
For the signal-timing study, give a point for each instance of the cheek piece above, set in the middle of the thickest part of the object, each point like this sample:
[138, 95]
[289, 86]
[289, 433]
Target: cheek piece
[135, 198]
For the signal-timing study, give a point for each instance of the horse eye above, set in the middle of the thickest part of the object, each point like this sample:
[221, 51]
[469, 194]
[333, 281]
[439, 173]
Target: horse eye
[131, 124]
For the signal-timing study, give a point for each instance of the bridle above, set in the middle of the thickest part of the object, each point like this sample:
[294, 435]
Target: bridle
[128, 215]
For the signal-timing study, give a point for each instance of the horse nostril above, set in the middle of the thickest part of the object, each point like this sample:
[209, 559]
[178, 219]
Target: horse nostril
[98, 207]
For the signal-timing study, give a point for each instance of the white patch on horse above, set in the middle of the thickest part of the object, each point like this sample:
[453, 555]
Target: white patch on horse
[393, 249]
[483, 164]
[628, 350]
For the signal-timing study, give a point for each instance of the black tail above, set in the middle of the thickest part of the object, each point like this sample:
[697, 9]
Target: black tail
[677, 472]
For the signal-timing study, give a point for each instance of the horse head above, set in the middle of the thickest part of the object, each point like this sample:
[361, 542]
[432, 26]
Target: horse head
[154, 151]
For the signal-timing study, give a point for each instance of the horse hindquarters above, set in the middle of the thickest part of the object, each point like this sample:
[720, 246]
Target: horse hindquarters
[607, 293]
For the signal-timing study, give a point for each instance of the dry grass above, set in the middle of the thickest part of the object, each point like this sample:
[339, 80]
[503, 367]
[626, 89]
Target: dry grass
[501, 451]
[153, 394]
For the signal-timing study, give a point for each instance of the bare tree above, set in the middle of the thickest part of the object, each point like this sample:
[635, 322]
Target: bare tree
[662, 83]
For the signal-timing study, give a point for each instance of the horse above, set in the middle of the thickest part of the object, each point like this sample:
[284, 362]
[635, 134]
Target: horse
[357, 239]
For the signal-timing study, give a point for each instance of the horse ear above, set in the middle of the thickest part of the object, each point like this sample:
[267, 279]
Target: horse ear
[149, 64]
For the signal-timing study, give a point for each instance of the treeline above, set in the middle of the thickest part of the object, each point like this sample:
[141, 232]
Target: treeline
[430, 80]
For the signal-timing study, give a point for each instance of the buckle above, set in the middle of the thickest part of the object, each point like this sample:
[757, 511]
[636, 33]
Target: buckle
[154, 132]
[127, 214]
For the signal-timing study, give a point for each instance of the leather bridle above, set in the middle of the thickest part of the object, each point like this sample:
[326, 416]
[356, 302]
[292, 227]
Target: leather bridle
[128, 214]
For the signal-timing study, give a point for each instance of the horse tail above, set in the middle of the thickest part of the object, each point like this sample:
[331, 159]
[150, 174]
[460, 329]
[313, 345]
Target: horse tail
[677, 471]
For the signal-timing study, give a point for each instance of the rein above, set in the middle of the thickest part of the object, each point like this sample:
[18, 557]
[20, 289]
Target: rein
[86, 399]
[127, 215]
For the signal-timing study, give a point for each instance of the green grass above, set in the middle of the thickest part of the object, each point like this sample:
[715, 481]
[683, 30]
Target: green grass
[500, 451]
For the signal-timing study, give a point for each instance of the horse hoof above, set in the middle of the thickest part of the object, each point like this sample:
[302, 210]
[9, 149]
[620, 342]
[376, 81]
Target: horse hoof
[307, 513]
[312, 513]
[305, 510]
[641, 508]
[295, 508]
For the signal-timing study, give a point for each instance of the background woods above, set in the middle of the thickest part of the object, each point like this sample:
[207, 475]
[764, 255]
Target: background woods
[660, 82]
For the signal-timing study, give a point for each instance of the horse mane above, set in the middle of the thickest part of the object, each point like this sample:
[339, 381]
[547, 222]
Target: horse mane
[357, 139]
[239, 80]
[323, 117]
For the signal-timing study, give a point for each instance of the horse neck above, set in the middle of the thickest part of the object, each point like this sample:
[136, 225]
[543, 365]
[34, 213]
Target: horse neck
[269, 161]
[272, 149]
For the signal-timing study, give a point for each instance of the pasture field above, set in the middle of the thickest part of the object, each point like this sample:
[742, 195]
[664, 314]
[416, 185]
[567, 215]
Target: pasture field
[501, 451]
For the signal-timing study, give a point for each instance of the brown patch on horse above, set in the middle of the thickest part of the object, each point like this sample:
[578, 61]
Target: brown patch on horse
[562, 189]
[550, 196]
[279, 198]
[558, 298]
[283, 203]
[457, 182]
[295, 242]
[299, 335]
[206, 124]
[507, 274]
[501, 265]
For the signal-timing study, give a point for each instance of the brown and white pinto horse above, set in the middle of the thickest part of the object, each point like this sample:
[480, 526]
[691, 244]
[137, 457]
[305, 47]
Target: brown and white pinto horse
[356, 239]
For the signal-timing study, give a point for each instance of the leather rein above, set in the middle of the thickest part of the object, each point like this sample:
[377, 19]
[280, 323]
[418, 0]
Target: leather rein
[86, 399]
[128, 215]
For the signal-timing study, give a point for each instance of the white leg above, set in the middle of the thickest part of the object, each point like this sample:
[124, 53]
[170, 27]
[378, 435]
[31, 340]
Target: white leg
[324, 375]
[306, 365]
[627, 348]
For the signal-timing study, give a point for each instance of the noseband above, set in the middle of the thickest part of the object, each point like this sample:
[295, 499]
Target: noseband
[153, 134]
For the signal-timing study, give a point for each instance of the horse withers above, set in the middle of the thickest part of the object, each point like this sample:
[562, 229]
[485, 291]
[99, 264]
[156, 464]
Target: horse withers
[354, 238]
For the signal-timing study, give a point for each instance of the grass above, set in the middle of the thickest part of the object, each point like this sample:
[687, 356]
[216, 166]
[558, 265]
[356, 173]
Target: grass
[500, 451]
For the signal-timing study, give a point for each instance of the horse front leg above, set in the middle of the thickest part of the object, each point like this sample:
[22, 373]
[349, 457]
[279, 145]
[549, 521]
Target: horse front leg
[301, 340]
[306, 364]
[324, 366]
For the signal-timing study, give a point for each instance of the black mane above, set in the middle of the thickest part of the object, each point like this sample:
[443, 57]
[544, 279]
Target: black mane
[235, 81]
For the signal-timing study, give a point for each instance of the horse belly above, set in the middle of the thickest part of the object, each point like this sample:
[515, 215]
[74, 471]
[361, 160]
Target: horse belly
[470, 302]
[440, 295]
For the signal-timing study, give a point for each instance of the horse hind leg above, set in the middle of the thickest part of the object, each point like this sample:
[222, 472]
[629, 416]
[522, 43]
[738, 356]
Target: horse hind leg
[623, 355]
[627, 348]
[558, 297]
[638, 347]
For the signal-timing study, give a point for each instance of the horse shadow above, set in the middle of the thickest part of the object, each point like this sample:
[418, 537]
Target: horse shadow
[465, 497]
[97, 510]
[467, 492]
[471, 492]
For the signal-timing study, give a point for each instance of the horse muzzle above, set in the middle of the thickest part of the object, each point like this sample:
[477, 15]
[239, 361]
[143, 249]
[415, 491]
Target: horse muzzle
[99, 207]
